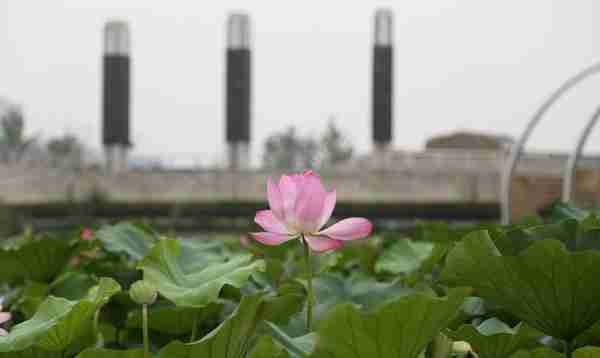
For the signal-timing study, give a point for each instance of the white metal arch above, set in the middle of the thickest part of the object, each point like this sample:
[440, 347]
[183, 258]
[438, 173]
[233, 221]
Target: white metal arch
[517, 148]
[568, 184]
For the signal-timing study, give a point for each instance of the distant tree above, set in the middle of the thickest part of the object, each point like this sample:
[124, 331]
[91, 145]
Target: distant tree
[65, 151]
[334, 147]
[13, 143]
[288, 150]
[469, 140]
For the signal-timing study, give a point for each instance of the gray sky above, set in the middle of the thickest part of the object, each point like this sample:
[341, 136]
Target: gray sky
[469, 64]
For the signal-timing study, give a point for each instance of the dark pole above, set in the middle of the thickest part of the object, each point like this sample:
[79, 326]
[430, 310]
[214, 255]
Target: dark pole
[382, 95]
[116, 97]
[238, 95]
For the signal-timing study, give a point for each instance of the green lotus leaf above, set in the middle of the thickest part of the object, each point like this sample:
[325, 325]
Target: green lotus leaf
[297, 347]
[404, 256]
[32, 295]
[549, 288]
[591, 337]
[495, 339]
[577, 234]
[126, 238]
[400, 329]
[281, 307]
[587, 352]
[172, 319]
[34, 259]
[101, 293]
[110, 353]
[58, 321]
[196, 254]
[31, 353]
[72, 285]
[233, 338]
[439, 231]
[197, 289]
[230, 340]
[538, 353]
[267, 347]
[331, 289]
[562, 211]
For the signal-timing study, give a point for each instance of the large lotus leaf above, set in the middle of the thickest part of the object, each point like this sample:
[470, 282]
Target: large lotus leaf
[404, 256]
[172, 319]
[587, 352]
[58, 321]
[591, 337]
[512, 241]
[32, 295]
[31, 353]
[399, 329]
[229, 340]
[538, 353]
[297, 347]
[288, 302]
[576, 234]
[331, 289]
[103, 291]
[551, 289]
[232, 339]
[110, 353]
[495, 339]
[34, 259]
[267, 347]
[126, 238]
[197, 254]
[439, 231]
[361, 254]
[562, 211]
[162, 269]
[588, 236]
[72, 285]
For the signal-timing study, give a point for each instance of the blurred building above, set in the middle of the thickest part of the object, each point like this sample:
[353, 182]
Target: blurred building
[466, 152]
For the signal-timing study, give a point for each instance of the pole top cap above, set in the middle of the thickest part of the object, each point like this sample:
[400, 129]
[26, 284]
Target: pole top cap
[238, 30]
[116, 38]
[384, 27]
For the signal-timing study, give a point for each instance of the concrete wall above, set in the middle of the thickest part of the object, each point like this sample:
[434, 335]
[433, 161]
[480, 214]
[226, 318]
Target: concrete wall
[531, 192]
[19, 185]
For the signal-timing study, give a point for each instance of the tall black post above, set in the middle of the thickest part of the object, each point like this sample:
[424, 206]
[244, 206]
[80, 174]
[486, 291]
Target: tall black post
[382, 90]
[116, 97]
[238, 92]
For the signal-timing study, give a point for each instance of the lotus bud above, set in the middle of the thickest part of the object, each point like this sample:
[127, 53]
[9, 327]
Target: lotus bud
[462, 349]
[143, 293]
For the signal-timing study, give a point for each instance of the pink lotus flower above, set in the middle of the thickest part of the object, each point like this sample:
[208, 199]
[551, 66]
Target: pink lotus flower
[4, 317]
[300, 206]
[87, 234]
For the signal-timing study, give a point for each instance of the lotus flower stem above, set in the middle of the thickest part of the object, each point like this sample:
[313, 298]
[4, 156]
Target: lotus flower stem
[310, 297]
[568, 349]
[96, 328]
[194, 327]
[145, 328]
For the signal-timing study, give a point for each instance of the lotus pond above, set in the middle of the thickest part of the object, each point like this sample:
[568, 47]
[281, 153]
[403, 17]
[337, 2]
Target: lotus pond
[529, 290]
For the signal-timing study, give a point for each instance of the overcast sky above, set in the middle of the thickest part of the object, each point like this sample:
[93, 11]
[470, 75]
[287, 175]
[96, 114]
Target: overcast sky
[469, 64]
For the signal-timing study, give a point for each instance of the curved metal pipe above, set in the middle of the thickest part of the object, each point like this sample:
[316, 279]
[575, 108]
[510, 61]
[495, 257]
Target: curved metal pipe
[569, 175]
[515, 153]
